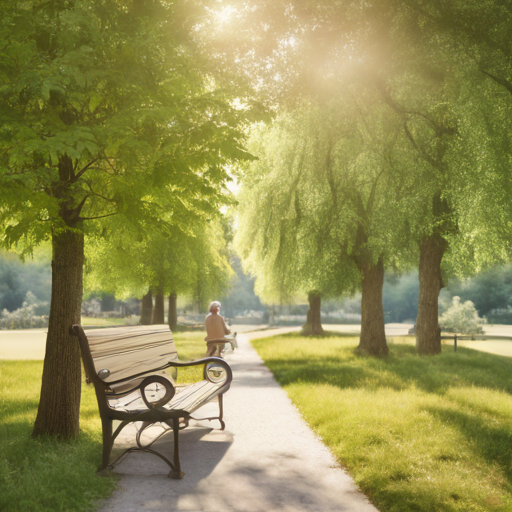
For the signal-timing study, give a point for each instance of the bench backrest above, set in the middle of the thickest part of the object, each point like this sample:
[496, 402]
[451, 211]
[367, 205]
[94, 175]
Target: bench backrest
[120, 352]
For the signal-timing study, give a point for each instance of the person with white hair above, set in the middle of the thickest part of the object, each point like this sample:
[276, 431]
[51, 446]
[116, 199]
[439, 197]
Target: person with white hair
[216, 330]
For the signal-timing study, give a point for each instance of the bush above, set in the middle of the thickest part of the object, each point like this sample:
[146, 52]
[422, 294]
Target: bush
[462, 318]
[24, 317]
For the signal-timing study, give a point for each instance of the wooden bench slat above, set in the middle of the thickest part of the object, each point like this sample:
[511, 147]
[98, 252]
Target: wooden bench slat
[125, 354]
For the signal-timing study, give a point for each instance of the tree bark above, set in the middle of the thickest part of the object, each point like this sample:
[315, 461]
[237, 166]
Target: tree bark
[146, 307]
[173, 312]
[59, 406]
[158, 310]
[313, 325]
[428, 332]
[373, 337]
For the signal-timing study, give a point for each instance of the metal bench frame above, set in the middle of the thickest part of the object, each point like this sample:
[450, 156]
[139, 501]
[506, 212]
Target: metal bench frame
[154, 412]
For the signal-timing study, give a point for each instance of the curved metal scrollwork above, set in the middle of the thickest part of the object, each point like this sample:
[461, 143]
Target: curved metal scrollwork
[157, 393]
[215, 373]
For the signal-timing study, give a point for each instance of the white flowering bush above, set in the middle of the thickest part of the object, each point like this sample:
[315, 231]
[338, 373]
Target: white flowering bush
[24, 317]
[462, 318]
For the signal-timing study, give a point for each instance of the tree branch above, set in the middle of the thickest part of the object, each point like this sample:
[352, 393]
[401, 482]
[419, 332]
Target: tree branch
[84, 169]
[98, 217]
[502, 81]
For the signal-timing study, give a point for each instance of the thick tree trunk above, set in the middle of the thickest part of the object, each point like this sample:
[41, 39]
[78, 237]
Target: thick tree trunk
[158, 310]
[173, 312]
[373, 337]
[146, 309]
[313, 325]
[59, 405]
[428, 332]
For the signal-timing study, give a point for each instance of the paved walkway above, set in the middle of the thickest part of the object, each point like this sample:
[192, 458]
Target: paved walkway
[266, 460]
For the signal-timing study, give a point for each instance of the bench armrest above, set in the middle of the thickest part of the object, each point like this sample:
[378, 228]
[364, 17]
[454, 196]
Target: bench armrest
[181, 364]
[211, 369]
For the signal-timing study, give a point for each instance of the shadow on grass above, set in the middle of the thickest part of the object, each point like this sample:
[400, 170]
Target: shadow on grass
[400, 370]
[488, 440]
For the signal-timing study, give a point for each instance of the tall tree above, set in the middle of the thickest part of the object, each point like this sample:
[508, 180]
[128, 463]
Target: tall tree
[104, 106]
[321, 209]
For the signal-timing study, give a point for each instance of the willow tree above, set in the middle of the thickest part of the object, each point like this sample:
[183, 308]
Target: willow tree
[103, 104]
[324, 207]
[277, 236]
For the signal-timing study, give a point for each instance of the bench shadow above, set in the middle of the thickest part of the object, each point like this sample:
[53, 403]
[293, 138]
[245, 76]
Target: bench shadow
[253, 484]
[201, 449]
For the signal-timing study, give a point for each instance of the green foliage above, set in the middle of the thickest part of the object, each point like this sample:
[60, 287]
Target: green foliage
[18, 277]
[490, 290]
[325, 197]
[189, 258]
[240, 296]
[24, 317]
[416, 433]
[107, 109]
[400, 298]
[461, 318]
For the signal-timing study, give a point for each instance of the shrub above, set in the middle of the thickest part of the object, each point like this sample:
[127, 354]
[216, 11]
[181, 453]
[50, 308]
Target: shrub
[24, 317]
[462, 318]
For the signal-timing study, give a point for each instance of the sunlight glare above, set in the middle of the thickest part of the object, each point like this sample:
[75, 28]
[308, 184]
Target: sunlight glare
[224, 15]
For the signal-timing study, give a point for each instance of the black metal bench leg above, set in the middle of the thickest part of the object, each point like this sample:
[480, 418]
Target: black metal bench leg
[221, 412]
[106, 424]
[176, 473]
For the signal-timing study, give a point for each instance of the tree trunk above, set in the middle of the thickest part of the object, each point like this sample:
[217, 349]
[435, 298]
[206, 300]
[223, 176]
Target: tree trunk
[146, 307]
[428, 332]
[313, 325]
[59, 405]
[158, 311]
[373, 337]
[173, 312]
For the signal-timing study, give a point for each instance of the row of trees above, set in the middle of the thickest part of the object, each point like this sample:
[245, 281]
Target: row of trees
[393, 150]
[116, 134]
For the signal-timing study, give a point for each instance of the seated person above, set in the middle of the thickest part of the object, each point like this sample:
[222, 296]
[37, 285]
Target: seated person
[216, 330]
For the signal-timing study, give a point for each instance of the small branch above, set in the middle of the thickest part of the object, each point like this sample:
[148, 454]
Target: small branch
[502, 81]
[109, 200]
[98, 217]
[78, 209]
[84, 169]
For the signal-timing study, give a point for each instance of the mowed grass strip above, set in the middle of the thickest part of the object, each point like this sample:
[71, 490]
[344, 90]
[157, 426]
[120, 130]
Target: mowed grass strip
[43, 475]
[416, 433]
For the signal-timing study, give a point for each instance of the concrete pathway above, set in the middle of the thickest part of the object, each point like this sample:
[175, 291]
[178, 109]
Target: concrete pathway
[266, 460]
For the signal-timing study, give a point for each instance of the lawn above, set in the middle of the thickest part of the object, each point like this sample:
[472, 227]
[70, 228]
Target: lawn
[43, 475]
[416, 433]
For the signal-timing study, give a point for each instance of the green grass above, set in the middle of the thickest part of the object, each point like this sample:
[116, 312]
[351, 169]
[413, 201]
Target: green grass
[190, 345]
[108, 322]
[416, 433]
[39, 475]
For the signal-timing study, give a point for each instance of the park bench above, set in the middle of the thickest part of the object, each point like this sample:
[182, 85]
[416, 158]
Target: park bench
[133, 370]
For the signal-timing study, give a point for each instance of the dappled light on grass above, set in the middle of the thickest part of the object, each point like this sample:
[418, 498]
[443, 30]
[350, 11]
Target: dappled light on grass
[416, 433]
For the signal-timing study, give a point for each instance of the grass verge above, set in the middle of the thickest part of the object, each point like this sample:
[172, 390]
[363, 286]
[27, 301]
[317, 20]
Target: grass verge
[39, 475]
[416, 433]
[42, 475]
